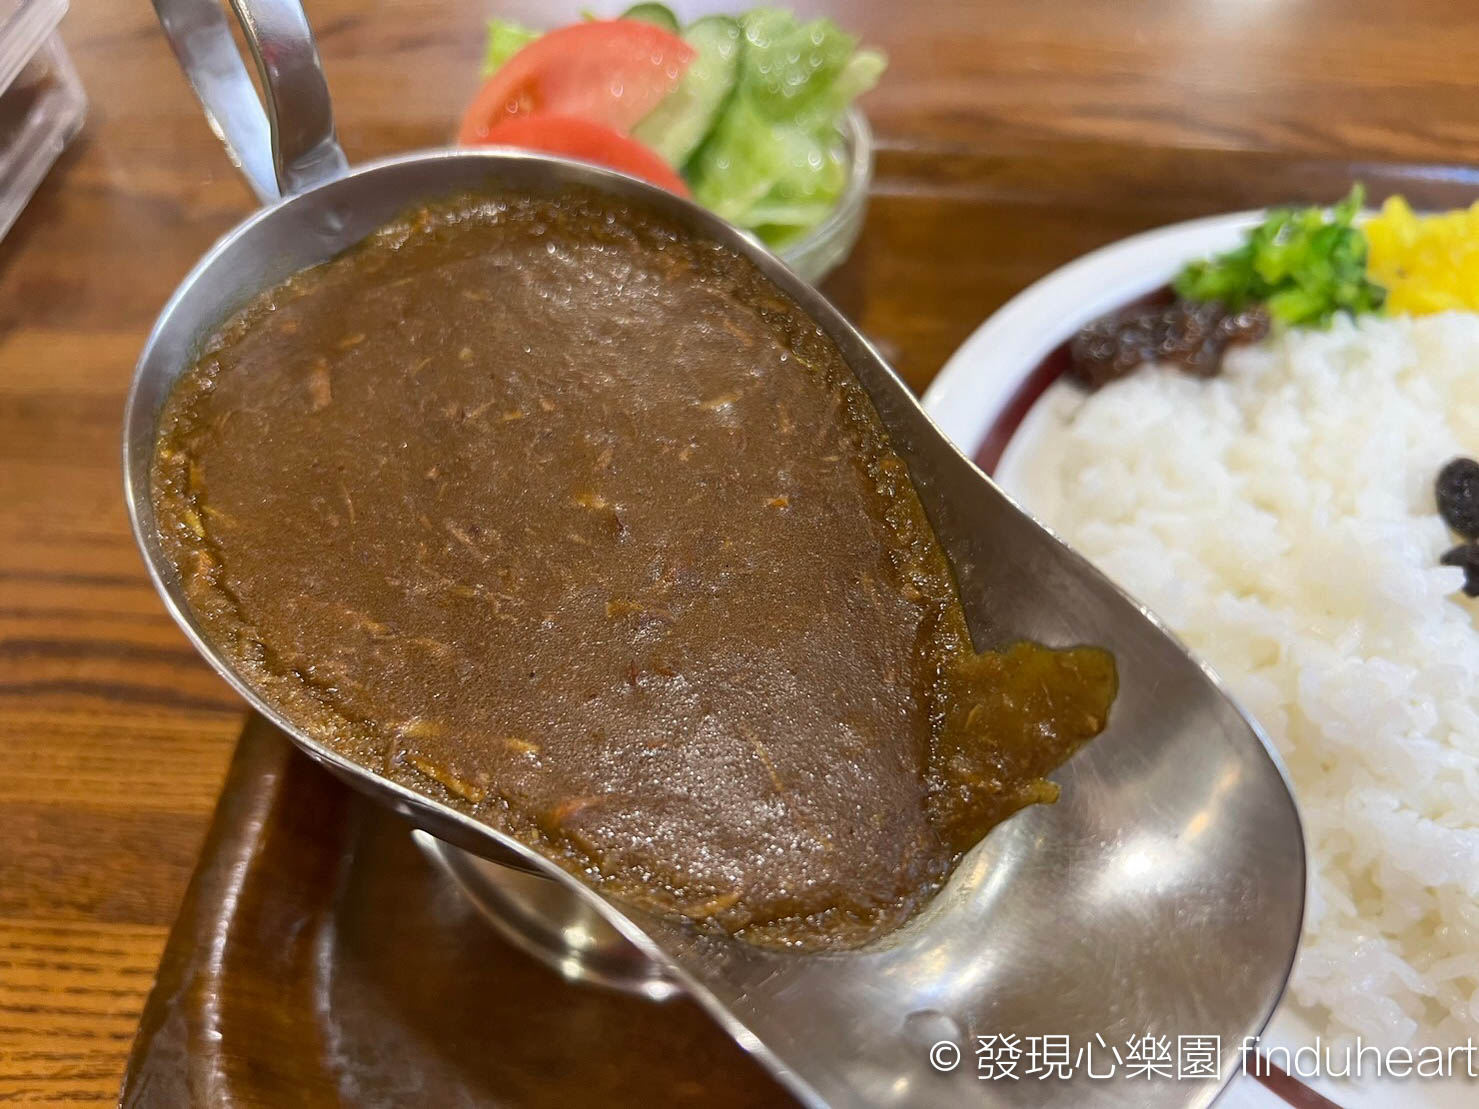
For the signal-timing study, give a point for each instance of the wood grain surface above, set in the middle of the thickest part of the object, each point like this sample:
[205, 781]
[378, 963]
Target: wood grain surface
[1014, 135]
[321, 961]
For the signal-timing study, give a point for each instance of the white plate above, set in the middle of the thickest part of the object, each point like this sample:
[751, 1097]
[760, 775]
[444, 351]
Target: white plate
[995, 384]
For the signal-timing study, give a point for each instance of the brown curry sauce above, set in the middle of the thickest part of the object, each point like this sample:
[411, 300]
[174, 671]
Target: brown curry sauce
[575, 522]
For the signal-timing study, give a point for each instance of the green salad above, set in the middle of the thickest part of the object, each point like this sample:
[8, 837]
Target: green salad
[751, 124]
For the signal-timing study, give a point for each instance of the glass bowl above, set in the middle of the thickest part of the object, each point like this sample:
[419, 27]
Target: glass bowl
[825, 246]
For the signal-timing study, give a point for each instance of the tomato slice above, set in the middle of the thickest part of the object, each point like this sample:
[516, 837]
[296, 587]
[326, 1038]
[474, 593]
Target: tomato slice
[611, 71]
[587, 141]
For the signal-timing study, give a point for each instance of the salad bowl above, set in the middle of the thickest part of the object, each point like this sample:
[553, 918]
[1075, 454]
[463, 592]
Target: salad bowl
[753, 114]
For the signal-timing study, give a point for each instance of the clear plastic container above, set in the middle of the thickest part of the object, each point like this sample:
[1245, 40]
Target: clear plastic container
[40, 110]
[24, 25]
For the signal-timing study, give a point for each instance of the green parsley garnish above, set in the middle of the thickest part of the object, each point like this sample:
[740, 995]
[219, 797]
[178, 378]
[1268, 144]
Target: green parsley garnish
[1305, 264]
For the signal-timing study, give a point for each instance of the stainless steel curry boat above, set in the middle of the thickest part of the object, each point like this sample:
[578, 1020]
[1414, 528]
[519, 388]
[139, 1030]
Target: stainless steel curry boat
[1163, 895]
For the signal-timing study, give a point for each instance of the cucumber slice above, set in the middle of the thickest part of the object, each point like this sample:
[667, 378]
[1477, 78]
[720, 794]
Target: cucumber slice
[659, 14]
[687, 114]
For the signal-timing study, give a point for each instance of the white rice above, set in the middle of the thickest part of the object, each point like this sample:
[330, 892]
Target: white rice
[1281, 519]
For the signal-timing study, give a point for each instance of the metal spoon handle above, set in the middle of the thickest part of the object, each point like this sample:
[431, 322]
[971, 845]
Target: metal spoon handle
[289, 145]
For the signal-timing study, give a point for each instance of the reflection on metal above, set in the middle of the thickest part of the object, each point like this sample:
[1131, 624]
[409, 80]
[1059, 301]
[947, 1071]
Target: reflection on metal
[544, 920]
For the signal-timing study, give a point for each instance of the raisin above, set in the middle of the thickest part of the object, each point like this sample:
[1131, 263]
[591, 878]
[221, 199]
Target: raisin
[1457, 490]
[1466, 555]
[1190, 335]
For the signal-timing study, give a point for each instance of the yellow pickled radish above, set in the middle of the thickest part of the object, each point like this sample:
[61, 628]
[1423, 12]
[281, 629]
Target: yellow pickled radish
[1427, 263]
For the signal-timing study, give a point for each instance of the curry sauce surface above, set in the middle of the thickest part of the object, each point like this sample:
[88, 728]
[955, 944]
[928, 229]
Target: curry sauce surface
[576, 522]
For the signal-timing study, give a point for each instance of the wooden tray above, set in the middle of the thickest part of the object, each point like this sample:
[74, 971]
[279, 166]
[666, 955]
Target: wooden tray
[319, 959]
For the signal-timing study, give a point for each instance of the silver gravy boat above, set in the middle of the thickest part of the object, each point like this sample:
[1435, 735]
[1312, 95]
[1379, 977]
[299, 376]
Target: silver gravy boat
[1162, 896]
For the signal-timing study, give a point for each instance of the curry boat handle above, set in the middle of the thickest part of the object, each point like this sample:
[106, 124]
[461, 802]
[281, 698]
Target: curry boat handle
[289, 146]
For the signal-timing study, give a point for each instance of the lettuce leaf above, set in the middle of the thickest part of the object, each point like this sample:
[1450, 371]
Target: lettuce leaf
[774, 161]
[505, 39]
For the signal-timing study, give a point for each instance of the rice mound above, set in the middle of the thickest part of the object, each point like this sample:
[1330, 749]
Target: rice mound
[1281, 520]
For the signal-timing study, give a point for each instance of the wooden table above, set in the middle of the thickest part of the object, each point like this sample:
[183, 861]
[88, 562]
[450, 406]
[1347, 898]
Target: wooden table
[1014, 135]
